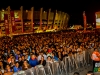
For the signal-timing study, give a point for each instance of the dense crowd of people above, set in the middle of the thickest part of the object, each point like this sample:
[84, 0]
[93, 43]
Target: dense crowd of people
[26, 51]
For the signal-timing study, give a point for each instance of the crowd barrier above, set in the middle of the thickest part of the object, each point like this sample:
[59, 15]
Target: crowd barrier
[74, 62]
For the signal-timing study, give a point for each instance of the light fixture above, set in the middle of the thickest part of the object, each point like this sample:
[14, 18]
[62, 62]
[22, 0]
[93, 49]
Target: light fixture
[26, 10]
[3, 10]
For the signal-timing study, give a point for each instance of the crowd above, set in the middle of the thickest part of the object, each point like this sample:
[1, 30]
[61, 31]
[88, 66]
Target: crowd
[26, 51]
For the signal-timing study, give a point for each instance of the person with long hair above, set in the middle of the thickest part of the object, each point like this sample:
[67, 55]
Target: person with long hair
[42, 61]
[25, 65]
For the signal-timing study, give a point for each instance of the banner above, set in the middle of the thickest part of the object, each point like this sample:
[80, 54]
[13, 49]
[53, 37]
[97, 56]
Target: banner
[84, 18]
[13, 21]
[6, 24]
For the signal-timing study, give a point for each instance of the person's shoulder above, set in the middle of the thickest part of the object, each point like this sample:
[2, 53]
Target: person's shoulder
[35, 60]
[30, 60]
[55, 57]
[94, 52]
[14, 67]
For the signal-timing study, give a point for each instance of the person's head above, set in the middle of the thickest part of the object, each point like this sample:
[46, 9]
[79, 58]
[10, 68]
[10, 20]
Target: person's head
[42, 58]
[23, 57]
[76, 73]
[17, 64]
[19, 58]
[12, 59]
[96, 49]
[41, 53]
[59, 53]
[33, 56]
[53, 54]
[7, 66]
[25, 62]
[63, 53]
[81, 47]
[10, 56]
[71, 46]
[18, 52]
[90, 73]
[49, 58]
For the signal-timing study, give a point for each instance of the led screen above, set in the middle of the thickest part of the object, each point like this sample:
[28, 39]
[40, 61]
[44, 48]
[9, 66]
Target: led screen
[97, 19]
[17, 15]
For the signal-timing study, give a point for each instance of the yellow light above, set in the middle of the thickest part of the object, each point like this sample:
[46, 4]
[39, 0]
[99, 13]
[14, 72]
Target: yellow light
[28, 23]
[26, 10]
[3, 10]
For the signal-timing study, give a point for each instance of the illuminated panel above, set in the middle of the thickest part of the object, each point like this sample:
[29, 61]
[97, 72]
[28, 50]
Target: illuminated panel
[44, 19]
[36, 19]
[51, 15]
[2, 16]
[37, 15]
[27, 22]
[50, 20]
[17, 16]
[29, 15]
[57, 16]
[97, 15]
[44, 15]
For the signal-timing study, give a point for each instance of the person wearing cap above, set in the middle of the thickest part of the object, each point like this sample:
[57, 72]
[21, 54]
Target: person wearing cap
[49, 53]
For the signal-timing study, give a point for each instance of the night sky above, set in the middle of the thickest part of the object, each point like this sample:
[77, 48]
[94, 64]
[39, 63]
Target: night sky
[74, 8]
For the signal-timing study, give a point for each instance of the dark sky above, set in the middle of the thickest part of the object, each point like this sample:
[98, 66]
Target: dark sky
[73, 7]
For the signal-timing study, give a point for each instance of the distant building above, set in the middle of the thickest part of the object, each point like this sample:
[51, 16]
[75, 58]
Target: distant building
[25, 21]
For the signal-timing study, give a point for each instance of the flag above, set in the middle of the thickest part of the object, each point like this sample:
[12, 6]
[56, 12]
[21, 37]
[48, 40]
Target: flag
[6, 24]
